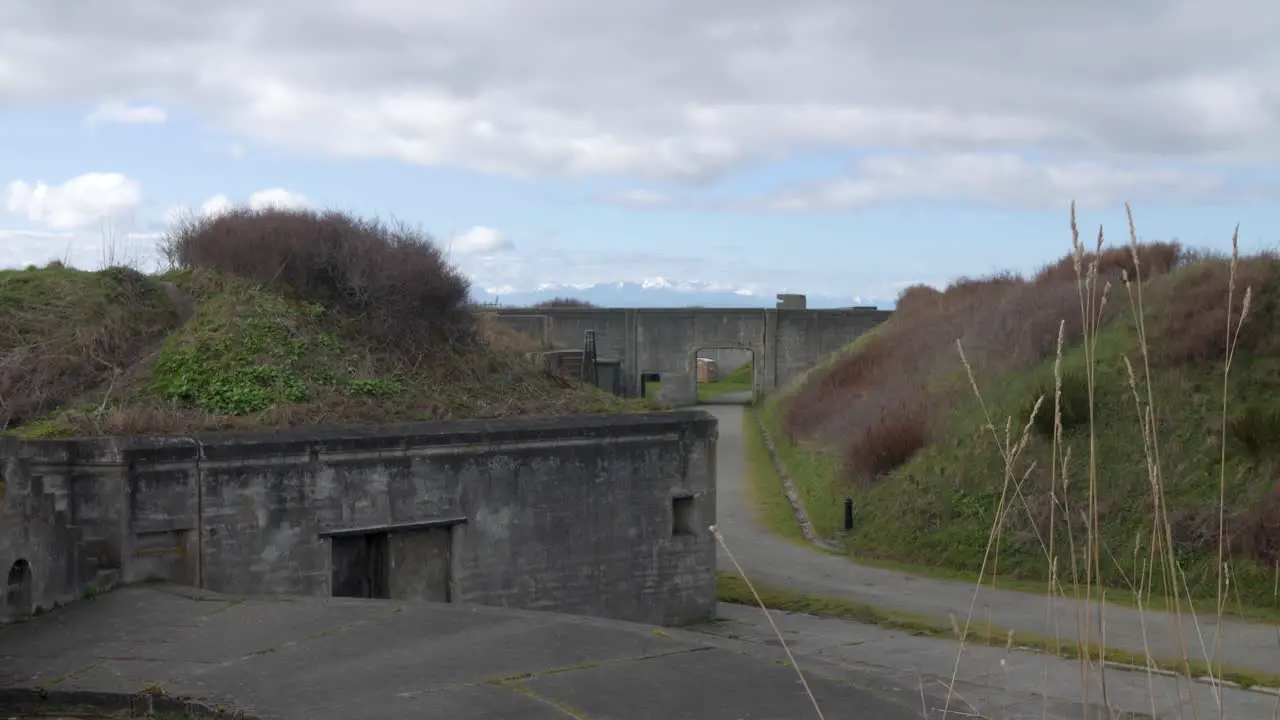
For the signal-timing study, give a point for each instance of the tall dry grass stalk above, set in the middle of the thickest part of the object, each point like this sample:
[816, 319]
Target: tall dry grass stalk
[719, 536]
[1086, 582]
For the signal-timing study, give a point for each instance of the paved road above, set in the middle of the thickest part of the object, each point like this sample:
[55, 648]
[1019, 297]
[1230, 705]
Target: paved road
[774, 561]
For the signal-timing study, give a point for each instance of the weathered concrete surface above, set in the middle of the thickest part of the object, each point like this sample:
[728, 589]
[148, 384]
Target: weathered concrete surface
[312, 659]
[784, 342]
[774, 561]
[572, 514]
[992, 682]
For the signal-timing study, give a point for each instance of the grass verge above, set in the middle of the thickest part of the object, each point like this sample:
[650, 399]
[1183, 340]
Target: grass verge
[815, 473]
[769, 499]
[730, 588]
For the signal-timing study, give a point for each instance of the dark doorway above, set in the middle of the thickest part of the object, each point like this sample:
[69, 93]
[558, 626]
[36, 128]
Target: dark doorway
[360, 567]
[19, 591]
[650, 382]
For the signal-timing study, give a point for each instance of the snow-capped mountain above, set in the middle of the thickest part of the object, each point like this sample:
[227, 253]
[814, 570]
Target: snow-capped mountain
[661, 292]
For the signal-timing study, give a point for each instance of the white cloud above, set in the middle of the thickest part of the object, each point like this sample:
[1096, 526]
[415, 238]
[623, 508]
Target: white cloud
[123, 113]
[215, 205]
[1005, 179]
[79, 202]
[639, 198]
[652, 88]
[278, 198]
[261, 200]
[481, 240]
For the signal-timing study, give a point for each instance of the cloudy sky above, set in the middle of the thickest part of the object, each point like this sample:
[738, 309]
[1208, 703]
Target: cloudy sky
[829, 146]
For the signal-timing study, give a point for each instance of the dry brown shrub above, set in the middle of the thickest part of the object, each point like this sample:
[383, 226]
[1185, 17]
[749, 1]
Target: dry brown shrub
[1005, 323]
[407, 296]
[503, 338]
[565, 302]
[813, 403]
[917, 298]
[1259, 531]
[1155, 259]
[66, 332]
[1190, 320]
[891, 441]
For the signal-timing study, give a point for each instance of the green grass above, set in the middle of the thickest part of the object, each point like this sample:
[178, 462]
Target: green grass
[739, 380]
[816, 475]
[247, 357]
[731, 588]
[935, 514]
[773, 508]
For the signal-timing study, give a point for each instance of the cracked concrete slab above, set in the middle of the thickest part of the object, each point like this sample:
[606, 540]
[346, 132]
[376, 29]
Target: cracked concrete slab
[321, 658]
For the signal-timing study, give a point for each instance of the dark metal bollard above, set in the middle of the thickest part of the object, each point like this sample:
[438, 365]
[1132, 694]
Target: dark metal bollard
[848, 513]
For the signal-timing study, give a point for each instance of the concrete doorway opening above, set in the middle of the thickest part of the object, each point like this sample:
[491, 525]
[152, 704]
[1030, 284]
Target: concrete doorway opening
[725, 375]
[360, 566]
[19, 592]
[400, 563]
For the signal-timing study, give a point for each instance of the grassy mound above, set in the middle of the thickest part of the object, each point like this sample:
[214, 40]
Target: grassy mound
[1116, 481]
[268, 318]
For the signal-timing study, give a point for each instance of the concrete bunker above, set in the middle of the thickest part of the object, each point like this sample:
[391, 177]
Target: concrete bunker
[657, 345]
[567, 514]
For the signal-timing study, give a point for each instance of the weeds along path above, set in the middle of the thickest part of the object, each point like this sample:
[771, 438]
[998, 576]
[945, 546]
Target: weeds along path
[773, 561]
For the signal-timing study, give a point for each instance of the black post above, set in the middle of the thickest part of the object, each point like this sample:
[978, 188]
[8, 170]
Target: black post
[848, 513]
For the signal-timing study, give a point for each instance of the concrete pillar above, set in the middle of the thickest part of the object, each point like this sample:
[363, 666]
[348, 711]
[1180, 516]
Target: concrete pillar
[767, 372]
[791, 301]
[631, 357]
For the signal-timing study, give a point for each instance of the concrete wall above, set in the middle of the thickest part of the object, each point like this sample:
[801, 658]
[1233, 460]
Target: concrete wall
[596, 515]
[662, 340]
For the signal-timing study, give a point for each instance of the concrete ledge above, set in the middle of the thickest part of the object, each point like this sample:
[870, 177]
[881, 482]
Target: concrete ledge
[21, 702]
[331, 438]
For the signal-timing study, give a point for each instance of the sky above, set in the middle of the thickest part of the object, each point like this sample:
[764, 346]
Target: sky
[838, 147]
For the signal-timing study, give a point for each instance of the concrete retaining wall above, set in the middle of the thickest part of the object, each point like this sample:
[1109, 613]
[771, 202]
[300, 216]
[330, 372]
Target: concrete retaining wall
[785, 342]
[596, 515]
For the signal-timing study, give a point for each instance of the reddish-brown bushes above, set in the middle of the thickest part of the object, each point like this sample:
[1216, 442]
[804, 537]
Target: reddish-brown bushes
[917, 298]
[407, 296]
[1191, 325]
[814, 402]
[889, 442]
[1153, 258]
[878, 404]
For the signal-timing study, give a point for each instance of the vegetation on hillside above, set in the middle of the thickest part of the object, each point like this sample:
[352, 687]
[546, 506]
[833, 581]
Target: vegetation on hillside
[565, 302]
[265, 318]
[1099, 451]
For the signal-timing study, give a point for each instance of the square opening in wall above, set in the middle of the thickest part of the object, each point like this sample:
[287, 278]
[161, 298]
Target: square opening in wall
[684, 516]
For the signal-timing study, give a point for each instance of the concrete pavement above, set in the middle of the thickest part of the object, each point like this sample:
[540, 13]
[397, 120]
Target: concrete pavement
[318, 658]
[770, 560]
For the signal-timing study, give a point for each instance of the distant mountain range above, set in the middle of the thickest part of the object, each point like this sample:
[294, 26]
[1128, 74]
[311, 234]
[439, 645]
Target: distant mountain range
[660, 293]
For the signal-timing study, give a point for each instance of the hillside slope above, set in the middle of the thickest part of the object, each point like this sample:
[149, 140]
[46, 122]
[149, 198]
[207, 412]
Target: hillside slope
[271, 318]
[895, 423]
